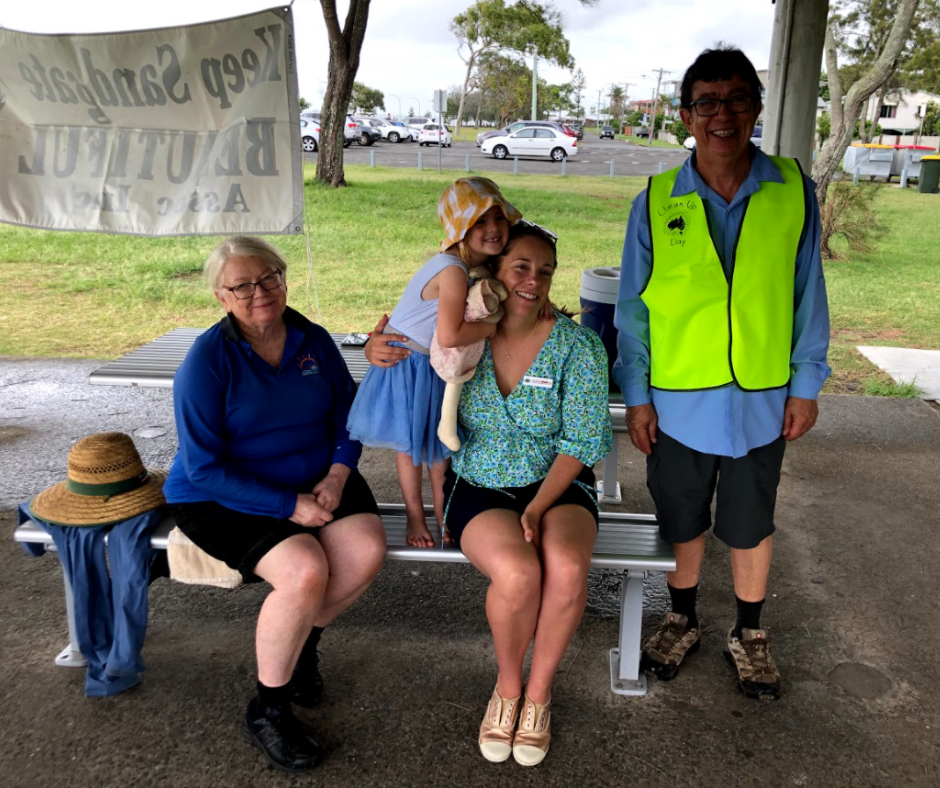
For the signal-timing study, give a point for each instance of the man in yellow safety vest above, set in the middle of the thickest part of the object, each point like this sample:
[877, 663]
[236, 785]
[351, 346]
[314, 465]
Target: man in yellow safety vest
[723, 334]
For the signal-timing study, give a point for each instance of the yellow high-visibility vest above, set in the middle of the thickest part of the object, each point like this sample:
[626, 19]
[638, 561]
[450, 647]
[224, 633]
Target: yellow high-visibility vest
[706, 330]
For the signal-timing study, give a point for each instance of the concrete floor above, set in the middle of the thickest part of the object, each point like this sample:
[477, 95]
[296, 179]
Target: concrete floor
[409, 668]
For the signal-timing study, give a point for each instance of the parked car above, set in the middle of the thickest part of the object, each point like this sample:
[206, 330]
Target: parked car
[532, 141]
[350, 131]
[607, 132]
[368, 134]
[432, 134]
[641, 131]
[576, 130]
[416, 124]
[309, 135]
[514, 127]
[386, 129]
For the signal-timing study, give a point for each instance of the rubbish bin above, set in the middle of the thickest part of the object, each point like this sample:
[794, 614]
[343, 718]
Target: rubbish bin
[869, 159]
[929, 175]
[599, 301]
[908, 157]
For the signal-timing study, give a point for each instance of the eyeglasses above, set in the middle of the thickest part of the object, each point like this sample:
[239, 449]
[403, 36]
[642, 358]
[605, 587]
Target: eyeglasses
[706, 107]
[246, 290]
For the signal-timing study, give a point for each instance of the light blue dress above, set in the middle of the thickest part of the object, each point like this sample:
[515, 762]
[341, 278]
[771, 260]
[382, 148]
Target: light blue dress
[400, 407]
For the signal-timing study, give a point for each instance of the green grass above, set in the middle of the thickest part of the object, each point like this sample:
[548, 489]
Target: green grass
[880, 388]
[645, 142]
[98, 296]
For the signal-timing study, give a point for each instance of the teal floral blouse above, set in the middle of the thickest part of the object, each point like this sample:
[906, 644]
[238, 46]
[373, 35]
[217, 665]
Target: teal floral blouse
[559, 407]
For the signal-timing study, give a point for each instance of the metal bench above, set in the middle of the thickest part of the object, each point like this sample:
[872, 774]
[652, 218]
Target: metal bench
[155, 365]
[626, 542]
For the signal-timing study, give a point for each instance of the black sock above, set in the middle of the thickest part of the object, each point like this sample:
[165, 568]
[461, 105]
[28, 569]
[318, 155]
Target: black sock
[683, 603]
[272, 701]
[308, 655]
[748, 615]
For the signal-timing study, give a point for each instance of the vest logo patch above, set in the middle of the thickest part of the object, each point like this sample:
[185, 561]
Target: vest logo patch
[675, 218]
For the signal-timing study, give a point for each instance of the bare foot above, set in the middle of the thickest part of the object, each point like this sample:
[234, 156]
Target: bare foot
[418, 534]
[446, 538]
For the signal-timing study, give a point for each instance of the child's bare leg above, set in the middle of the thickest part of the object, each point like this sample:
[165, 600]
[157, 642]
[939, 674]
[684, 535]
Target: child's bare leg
[409, 477]
[437, 490]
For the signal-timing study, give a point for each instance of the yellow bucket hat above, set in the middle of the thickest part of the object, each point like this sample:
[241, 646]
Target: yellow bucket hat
[465, 201]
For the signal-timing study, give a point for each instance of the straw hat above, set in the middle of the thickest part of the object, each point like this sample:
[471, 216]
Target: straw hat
[464, 201]
[107, 482]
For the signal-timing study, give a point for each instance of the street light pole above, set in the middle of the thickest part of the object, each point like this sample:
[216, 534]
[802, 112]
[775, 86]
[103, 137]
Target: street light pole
[392, 95]
[599, 110]
[419, 106]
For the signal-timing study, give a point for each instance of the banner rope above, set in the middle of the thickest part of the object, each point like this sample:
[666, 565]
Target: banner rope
[311, 278]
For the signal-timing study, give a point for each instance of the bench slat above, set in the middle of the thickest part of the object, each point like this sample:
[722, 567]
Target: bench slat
[625, 541]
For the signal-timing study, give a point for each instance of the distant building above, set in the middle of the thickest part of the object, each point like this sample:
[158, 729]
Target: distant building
[902, 111]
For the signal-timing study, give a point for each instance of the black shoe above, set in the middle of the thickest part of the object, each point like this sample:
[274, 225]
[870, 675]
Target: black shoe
[306, 684]
[283, 740]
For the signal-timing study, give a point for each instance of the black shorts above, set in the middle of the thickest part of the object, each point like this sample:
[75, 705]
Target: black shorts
[464, 501]
[682, 482]
[241, 540]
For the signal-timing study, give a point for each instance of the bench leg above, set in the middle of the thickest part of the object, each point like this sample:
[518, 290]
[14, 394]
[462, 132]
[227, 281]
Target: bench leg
[625, 675]
[608, 489]
[71, 656]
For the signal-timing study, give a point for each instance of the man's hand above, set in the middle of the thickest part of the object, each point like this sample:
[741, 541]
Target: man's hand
[379, 353]
[642, 423]
[799, 416]
[309, 513]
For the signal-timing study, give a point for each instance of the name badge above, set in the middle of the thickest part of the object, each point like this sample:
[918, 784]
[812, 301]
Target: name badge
[539, 383]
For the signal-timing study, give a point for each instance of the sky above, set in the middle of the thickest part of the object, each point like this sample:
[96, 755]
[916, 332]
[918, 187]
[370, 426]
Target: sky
[409, 50]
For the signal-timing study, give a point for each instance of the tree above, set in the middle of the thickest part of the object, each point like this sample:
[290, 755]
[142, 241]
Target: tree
[578, 84]
[823, 127]
[490, 26]
[345, 47]
[681, 131]
[617, 97]
[367, 100]
[411, 112]
[506, 83]
[886, 43]
[931, 125]
[303, 103]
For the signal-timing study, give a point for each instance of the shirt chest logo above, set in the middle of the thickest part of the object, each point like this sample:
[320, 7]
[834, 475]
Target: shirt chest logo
[308, 365]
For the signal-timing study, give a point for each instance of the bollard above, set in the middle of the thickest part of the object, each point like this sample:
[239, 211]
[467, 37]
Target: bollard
[564, 162]
[468, 162]
[611, 168]
[660, 168]
[515, 165]
[420, 161]
[855, 176]
[904, 178]
[372, 158]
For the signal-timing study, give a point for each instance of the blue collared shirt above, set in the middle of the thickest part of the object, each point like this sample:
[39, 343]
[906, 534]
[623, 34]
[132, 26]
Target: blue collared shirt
[726, 421]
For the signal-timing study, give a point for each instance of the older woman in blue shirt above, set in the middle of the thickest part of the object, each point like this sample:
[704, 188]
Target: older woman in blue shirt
[265, 480]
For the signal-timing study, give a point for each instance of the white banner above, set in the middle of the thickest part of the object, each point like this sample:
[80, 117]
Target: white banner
[178, 131]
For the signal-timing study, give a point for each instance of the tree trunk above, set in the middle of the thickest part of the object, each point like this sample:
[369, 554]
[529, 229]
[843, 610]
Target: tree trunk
[345, 46]
[463, 93]
[871, 79]
[878, 105]
[863, 121]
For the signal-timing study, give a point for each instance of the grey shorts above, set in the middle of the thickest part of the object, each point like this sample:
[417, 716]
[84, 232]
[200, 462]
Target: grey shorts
[683, 482]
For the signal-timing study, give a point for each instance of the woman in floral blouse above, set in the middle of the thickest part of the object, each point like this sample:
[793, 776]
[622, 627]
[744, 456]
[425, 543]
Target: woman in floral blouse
[520, 494]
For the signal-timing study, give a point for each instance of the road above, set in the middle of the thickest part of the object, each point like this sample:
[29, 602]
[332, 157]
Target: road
[593, 158]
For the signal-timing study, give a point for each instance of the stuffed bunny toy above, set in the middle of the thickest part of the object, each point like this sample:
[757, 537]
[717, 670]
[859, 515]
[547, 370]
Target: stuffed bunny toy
[456, 365]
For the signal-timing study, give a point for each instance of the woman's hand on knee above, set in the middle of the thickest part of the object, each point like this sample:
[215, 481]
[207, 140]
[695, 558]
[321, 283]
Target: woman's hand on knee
[531, 520]
[379, 353]
[309, 513]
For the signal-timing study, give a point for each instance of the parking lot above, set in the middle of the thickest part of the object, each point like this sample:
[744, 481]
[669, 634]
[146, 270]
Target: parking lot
[594, 157]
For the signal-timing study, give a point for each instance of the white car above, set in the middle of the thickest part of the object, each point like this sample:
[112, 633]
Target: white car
[389, 131]
[350, 131]
[309, 135]
[537, 141]
[432, 134]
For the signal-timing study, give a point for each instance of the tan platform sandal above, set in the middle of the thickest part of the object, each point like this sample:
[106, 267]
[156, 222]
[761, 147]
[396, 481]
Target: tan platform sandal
[534, 734]
[498, 727]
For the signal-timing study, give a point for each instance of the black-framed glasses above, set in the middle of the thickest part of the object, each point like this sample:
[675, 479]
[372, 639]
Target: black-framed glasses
[246, 290]
[706, 107]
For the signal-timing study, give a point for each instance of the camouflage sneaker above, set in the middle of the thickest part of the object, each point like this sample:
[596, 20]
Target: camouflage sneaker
[665, 651]
[758, 676]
